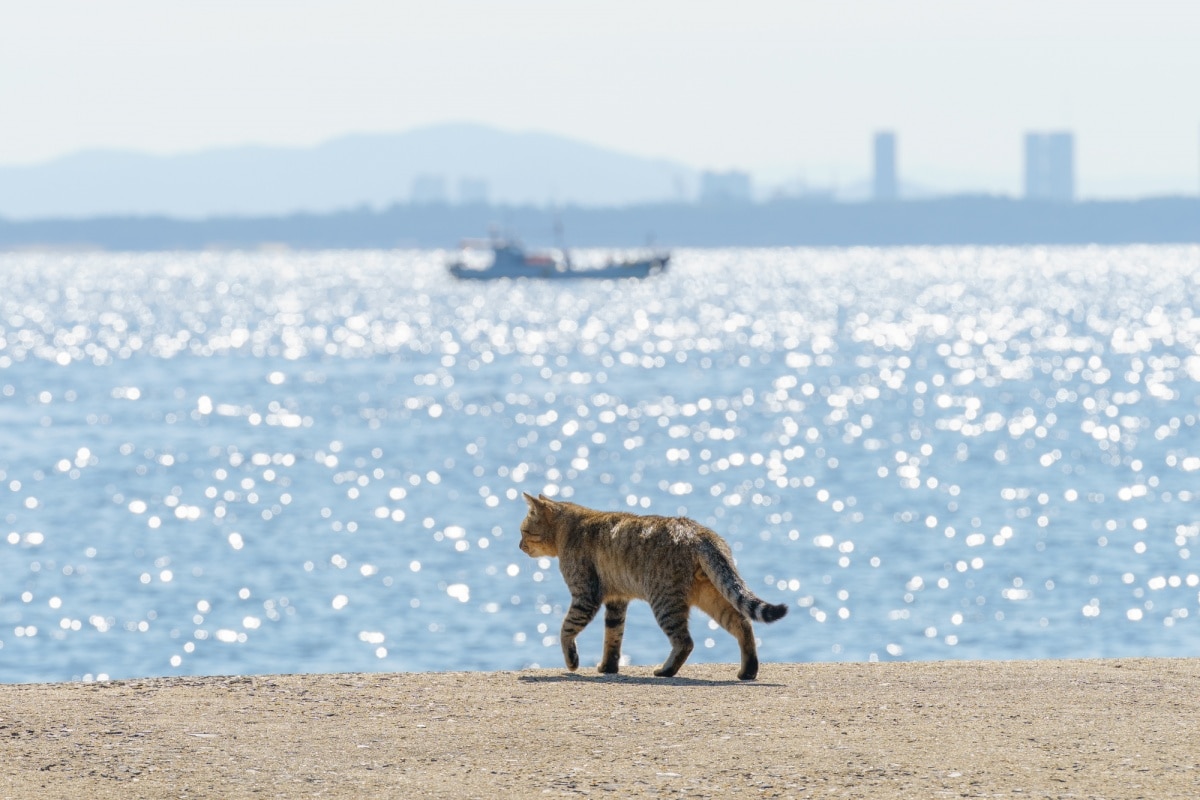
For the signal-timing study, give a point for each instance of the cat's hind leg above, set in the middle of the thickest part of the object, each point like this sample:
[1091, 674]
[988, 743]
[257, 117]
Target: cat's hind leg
[614, 631]
[671, 611]
[711, 602]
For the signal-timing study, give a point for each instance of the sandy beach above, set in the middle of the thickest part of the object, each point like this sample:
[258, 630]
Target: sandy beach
[1087, 729]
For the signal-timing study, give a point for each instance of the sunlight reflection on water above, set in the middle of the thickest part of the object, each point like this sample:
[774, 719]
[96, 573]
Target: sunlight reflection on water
[223, 462]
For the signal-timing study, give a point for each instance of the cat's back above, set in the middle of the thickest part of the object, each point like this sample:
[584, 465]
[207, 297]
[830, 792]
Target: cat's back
[626, 531]
[582, 531]
[635, 554]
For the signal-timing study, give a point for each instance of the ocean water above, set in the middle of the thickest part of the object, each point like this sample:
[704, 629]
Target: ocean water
[218, 463]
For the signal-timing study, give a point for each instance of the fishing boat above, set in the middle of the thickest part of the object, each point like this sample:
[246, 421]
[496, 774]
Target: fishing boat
[509, 259]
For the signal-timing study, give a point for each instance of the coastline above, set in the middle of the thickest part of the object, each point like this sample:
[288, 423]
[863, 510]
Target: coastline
[948, 221]
[1114, 728]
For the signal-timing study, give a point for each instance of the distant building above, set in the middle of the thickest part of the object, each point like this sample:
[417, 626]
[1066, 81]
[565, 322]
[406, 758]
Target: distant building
[428, 190]
[885, 166]
[472, 192]
[1050, 167]
[725, 187]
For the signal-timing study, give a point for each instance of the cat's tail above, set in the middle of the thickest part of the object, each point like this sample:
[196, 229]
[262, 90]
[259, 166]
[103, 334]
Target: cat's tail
[718, 566]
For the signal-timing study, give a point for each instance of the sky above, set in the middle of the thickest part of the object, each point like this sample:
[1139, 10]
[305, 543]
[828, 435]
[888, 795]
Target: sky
[789, 90]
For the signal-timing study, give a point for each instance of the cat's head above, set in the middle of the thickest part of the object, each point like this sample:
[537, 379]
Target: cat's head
[538, 537]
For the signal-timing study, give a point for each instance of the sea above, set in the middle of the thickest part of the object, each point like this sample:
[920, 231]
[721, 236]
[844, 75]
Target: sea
[225, 463]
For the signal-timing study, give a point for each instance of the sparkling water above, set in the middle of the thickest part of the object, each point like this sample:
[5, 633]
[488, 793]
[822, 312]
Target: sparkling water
[297, 462]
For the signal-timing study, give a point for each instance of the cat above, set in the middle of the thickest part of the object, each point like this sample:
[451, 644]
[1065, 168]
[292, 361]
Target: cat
[673, 563]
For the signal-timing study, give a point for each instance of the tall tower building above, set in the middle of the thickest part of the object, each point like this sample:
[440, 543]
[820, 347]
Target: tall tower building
[472, 191]
[725, 187]
[885, 166]
[1050, 167]
[428, 190]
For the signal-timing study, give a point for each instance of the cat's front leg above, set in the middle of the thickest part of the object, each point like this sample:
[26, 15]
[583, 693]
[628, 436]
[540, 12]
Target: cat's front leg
[614, 630]
[581, 612]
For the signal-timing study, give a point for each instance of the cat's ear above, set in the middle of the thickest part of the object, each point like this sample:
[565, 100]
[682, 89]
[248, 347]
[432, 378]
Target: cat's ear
[539, 507]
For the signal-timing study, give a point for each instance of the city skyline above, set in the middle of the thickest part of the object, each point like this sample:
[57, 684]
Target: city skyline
[1048, 173]
[467, 165]
[784, 91]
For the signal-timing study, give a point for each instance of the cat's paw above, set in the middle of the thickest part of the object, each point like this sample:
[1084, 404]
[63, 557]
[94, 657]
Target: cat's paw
[571, 656]
[666, 672]
[608, 668]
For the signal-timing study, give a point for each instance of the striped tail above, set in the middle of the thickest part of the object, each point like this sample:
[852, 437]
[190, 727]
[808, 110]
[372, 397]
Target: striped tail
[720, 570]
[769, 612]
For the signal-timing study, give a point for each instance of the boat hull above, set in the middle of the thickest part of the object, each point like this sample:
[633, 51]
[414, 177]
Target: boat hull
[638, 268]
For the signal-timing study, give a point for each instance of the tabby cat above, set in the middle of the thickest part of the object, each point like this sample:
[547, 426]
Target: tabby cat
[673, 563]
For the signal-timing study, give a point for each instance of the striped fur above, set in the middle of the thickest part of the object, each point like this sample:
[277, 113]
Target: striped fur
[611, 557]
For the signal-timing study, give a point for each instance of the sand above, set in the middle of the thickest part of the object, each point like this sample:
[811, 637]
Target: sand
[1085, 729]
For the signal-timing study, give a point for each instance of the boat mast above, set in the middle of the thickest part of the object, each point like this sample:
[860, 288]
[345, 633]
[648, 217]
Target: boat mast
[559, 241]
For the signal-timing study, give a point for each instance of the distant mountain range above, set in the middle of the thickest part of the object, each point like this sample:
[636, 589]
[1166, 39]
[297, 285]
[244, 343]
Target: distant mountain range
[451, 163]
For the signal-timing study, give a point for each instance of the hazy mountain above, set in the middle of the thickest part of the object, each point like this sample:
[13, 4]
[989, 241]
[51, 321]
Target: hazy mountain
[375, 170]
